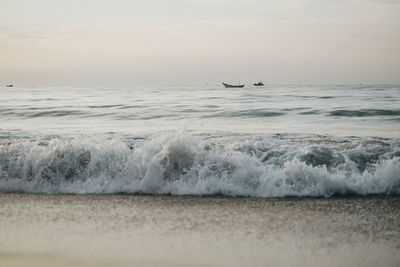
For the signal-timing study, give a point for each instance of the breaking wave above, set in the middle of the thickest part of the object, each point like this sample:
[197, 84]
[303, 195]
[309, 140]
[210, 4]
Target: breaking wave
[187, 165]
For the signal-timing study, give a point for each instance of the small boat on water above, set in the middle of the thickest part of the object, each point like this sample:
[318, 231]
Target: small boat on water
[9, 85]
[259, 84]
[233, 85]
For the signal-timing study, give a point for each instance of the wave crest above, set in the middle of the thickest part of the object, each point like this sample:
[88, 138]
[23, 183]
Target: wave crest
[184, 165]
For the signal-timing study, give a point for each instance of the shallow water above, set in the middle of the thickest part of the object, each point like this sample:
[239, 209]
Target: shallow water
[275, 141]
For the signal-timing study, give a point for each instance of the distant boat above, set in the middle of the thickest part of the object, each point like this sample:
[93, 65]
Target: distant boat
[259, 84]
[233, 85]
[9, 85]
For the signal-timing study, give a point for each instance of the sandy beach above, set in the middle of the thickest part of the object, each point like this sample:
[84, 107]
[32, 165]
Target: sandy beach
[128, 230]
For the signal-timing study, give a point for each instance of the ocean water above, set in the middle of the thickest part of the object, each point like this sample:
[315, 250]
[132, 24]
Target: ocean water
[274, 141]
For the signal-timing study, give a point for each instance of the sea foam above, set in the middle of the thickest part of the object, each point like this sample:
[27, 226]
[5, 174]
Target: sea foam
[180, 164]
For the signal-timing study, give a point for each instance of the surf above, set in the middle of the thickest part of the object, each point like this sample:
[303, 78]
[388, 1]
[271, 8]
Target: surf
[181, 164]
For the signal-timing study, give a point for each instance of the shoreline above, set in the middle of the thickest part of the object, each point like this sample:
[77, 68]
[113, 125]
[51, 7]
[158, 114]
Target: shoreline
[215, 196]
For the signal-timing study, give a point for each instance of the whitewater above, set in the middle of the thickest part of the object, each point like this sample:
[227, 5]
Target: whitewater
[276, 141]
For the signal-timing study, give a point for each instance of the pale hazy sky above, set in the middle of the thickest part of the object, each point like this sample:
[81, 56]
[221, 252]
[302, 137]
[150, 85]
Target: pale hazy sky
[121, 42]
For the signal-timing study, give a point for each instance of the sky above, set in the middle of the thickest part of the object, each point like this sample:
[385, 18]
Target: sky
[177, 42]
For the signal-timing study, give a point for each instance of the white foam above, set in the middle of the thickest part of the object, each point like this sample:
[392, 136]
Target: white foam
[184, 165]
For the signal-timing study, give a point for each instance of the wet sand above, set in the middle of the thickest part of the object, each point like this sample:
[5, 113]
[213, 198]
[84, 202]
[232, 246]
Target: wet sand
[126, 230]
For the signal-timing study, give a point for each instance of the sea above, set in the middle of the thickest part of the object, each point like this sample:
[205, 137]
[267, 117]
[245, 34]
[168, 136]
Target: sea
[270, 141]
[280, 175]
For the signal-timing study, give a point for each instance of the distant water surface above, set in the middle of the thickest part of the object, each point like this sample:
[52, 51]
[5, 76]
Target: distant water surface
[355, 110]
